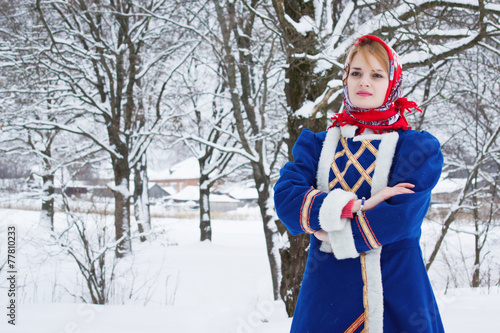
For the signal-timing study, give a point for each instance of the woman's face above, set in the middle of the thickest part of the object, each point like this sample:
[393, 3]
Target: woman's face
[367, 85]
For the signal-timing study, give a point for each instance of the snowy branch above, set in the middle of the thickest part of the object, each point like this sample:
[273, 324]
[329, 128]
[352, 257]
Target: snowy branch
[46, 125]
[222, 148]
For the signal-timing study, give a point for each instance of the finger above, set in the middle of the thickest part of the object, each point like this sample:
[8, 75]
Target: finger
[398, 190]
[405, 185]
[321, 235]
[403, 190]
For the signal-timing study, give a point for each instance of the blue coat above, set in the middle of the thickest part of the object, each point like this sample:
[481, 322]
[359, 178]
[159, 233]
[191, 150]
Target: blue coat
[371, 274]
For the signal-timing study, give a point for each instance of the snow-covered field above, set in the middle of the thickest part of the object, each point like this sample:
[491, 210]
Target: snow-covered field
[176, 284]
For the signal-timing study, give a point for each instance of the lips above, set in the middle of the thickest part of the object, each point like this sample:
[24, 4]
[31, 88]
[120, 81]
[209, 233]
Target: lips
[363, 93]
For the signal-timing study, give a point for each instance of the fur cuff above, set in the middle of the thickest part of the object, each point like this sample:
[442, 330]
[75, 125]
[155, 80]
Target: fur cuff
[331, 210]
[341, 244]
[326, 247]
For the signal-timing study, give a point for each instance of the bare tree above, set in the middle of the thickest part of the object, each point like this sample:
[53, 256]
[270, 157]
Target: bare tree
[472, 146]
[86, 241]
[29, 93]
[208, 126]
[110, 58]
[316, 36]
[246, 50]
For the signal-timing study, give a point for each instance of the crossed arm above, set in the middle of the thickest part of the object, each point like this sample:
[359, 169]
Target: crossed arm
[387, 193]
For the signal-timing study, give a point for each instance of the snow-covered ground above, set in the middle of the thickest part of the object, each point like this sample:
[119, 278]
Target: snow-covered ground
[176, 284]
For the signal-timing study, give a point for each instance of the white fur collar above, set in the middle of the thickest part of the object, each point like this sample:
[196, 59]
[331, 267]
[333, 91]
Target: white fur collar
[348, 131]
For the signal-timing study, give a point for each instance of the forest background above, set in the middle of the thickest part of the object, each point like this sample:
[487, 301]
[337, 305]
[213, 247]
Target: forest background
[121, 86]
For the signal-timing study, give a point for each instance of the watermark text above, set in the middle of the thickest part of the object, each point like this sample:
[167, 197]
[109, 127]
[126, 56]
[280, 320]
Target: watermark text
[11, 275]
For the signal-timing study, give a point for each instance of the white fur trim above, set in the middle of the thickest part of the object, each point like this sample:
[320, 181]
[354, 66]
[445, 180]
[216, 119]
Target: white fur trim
[331, 210]
[380, 180]
[348, 131]
[375, 291]
[367, 136]
[326, 158]
[342, 243]
[326, 247]
[383, 162]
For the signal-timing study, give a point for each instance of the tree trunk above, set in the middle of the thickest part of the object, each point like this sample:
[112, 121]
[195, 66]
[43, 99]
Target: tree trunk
[476, 280]
[293, 264]
[122, 207]
[47, 212]
[262, 184]
[205, 222]
[241, 96]
[141, 199]
[302, 85]
[450, 218]
[294, 256]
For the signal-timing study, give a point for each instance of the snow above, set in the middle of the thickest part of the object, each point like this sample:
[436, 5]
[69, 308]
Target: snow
[187, 169]
[193, 193]
[243, 193]
[418, 56]
[449, 185]
[122, 188]
[492, 7]
[466, 310]
[187, 286]
[305, 25]
[188, 193]
[221, 198]
[306, 110]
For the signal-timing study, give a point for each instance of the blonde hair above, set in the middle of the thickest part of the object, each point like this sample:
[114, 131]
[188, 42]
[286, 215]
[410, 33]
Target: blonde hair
[367, 47]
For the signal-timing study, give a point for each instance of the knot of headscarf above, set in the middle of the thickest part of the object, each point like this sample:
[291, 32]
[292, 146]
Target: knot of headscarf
[390, 115]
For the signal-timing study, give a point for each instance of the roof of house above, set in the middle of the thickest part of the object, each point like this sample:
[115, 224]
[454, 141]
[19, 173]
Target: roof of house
[187, 169]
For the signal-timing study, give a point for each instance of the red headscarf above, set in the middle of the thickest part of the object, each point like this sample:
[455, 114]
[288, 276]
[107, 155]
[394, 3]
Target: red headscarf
[390, 115]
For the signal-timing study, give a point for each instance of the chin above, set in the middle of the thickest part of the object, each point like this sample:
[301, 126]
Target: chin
[366, 105]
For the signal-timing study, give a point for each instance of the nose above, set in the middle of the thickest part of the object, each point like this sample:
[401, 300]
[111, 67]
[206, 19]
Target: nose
[364, 82]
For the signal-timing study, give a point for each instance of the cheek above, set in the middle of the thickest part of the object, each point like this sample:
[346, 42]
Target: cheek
[349, 90]
[386, 86]
[383, 88]
[350, 86]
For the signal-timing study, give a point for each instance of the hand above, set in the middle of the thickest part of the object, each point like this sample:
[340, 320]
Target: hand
[322, 235]
[387, 193]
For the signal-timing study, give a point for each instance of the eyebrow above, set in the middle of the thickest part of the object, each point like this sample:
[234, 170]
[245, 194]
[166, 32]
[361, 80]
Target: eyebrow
[373, 70]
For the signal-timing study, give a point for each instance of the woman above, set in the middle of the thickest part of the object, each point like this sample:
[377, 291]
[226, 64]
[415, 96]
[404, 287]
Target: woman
[362, 189]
